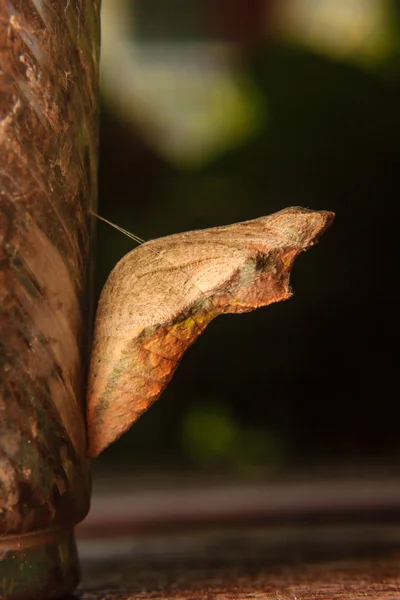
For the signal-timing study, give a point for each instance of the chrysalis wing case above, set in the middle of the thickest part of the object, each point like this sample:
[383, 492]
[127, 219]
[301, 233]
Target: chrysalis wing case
[162, 295]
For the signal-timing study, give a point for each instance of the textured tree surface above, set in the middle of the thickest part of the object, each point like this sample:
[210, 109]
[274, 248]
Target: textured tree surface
[162, 295]
[48, 155]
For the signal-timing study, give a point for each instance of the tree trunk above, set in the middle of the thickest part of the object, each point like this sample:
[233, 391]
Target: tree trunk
[48, 169]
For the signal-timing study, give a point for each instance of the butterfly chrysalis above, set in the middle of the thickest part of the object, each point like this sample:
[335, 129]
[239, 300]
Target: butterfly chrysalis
[161, 296]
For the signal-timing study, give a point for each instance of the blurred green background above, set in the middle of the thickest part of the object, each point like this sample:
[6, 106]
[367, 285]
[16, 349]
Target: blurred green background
[220, 111]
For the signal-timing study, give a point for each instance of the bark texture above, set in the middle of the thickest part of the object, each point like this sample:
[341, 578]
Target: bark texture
[49, 54]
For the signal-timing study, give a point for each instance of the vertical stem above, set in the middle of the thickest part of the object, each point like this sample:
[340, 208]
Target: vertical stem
[49, 51]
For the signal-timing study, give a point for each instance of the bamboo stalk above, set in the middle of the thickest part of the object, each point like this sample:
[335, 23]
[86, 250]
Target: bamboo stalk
[49, 53]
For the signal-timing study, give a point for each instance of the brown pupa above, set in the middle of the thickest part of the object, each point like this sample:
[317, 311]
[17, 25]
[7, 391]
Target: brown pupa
[162, 295]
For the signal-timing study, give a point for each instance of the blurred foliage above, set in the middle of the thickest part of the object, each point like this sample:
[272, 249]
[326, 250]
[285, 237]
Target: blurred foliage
[213, 436]
[358, 31]
[310, 380]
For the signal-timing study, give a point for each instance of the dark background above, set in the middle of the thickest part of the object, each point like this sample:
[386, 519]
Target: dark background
[309, 382]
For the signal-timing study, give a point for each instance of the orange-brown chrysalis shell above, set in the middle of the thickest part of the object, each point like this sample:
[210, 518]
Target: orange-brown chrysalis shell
[162, 295]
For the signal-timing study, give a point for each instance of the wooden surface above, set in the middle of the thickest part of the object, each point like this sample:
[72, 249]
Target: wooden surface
[338, 538]
[278, 565]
